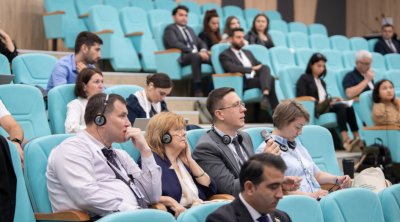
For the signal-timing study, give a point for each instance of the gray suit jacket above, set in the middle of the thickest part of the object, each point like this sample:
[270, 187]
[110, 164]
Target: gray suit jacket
[173, 38]
[218, 161]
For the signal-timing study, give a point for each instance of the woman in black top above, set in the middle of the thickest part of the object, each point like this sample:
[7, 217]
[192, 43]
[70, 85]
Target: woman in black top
[210, 34]
[7, 46]
[312, 84]
[259, 32]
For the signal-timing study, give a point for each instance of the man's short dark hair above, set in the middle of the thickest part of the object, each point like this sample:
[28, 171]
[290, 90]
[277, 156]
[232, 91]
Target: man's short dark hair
[215, 97]
[253, 169]
[232, 32]
[387, 25]
[95, 106]
[175, 10]
[88, 39]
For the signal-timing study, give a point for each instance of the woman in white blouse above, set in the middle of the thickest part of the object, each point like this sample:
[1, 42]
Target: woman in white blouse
[88, 83]
[312, 84]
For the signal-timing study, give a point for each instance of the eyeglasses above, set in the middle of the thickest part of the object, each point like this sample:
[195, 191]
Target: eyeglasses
[365, 63]
[236, 105]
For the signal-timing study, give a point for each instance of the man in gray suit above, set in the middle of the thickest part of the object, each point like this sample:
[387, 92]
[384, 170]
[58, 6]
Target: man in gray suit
[222, 151]
[194, 50]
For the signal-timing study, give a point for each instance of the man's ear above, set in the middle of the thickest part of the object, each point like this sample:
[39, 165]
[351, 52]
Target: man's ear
[84, 48]
[219, 115]
[249, 188]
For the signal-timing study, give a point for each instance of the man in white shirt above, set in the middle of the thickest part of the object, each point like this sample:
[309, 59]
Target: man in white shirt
[261, 180]
[85, 173]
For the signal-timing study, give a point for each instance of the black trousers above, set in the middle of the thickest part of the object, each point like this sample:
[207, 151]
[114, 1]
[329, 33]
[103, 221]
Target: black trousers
[194, 60]
[345, 115]
[263, 80]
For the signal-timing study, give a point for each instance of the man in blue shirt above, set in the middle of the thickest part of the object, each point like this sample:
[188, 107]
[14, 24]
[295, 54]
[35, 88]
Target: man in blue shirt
[87, 53]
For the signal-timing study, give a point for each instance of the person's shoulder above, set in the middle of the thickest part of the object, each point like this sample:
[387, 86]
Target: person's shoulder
[223, 213]
[281, 215]
[205, 141]
[132, 99]
[170, 26]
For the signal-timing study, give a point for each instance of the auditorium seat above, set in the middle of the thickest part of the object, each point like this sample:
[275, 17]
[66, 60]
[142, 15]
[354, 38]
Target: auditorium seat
[123, 90]
[371, 44]
[278, 38]
[146, 5]
[158, 17]
[281, 58]
[199, 212]
[340, 42]
[301, 208]
[297, 40]
[168, 5]
[273, 15]
[118, 4]
[193, 137]
[334, 59]
[83, 7]
[249, 14]
[58, 99]
[378, 62]
[192, 6]
[279, 25]
[4, 65]
[392, 61]
[139, 215]
[319, 42]
[232, 10]
[208, 6]
[261, 53]
[358, 43]
[255, 135]
[195, 23]
[390, 200]
[298, 27]
[394, 76]
[349, 59]
[303, 56]
[317, 28]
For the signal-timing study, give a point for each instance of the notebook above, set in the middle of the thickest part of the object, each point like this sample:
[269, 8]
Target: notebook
[141, 123]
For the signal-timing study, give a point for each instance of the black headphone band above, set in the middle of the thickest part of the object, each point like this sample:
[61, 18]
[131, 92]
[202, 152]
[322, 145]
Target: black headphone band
[100, 119]
[285, 147]
[225, 138]
[105, 105]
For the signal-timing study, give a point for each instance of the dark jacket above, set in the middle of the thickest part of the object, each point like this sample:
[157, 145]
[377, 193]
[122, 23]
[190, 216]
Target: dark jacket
[8, 184]
[4, 50]
[136, 111]
[383, 48]
[253, 38]
[173, 38]
[306, 86]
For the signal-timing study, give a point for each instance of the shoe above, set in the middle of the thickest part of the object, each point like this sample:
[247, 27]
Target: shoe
[350, 146]
[264, 103]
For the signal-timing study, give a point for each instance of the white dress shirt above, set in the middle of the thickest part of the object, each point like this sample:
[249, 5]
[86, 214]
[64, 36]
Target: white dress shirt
[253, 212]
[194, 46]
[75, 119]
[79, 178]
[3, 110]
[321, 90]
[245, 62]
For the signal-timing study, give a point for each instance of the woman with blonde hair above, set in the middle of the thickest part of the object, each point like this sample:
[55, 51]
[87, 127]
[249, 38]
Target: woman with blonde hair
[184, 182]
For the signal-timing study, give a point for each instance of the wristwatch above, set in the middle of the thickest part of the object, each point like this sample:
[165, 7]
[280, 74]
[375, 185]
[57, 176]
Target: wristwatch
[17, 141]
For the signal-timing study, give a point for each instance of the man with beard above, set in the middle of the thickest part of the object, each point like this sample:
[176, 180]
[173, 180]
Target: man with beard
[255, 74]
[87, 53]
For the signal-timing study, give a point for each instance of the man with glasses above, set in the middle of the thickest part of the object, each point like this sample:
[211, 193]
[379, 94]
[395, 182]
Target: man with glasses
[223, 150]
[361, 78]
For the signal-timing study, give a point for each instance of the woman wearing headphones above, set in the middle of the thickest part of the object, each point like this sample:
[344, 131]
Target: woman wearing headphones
[289, 118]
[386, 108]
[88, 83]
[184, 182]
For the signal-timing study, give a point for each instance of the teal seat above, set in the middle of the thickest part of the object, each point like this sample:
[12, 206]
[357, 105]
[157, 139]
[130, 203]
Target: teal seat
[146, 5]
[279, 25]
[139, 215]
[250, 14]
[390, 200]
[298, 27]
[168, 5]
[302, 57]
[200, 212]
[4, 65]
[297, 40]
[255, 135]
[64, 24]
[23, 208]
[273, 15]
[208, 6]
[261, 53]
[354, 204]
[233, 10]
[195, 23]
[317, 28]
[123, 90]
[281, 58]
[371, 44]
[378, 62]
[278, 91]
[334, 59]
[83, 7]
[392, 61]
[278, 38]
[193, 137]
[33, 68]
[58, 99]
[331, 83]
[192, 6]
[242, 23]
[319, 143]
[319, 42]
[218, 49]
[26, 105]
[349, 59]
[117, 48]
[339, 82]
[118, 4]
[358, 43]
[301, 208]
[340, 43]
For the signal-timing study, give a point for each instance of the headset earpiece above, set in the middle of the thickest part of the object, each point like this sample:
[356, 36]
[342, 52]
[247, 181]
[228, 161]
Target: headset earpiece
[166, 138]
[225, 139]
[100, 119]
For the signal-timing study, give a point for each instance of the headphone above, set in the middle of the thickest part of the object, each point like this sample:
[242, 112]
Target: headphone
[225, 138]
[166, 138]
[285, 147]
[100, 119]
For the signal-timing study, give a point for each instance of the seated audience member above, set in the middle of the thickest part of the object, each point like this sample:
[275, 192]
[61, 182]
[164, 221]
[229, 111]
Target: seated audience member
[361, 78]
[88, 83]
[7, 46]
[231, 23]
[148, 102]
[222, 151]
[85, 173]
[184, 182]
[87, 53]
[386, 107]
[13, 129]
[289, 118]
[255, 75]
[387, 43]
[210, 34]
[261, 179]
[259, 32]
[312, 84]
[194, 51]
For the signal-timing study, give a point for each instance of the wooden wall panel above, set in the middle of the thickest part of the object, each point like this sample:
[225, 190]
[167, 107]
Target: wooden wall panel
[305, 11]
[261, 5]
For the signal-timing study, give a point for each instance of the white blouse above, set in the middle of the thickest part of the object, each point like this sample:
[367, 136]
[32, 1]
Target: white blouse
[75, 120]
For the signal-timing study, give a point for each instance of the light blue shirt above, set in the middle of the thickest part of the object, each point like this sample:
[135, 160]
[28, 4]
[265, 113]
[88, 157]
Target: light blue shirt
[64, 72]
[299, 163]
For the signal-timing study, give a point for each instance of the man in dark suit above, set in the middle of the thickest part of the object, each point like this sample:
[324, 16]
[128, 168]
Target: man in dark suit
[261, 180]
[222, 151]
[387, 44]
[194, 51]
[255, 74]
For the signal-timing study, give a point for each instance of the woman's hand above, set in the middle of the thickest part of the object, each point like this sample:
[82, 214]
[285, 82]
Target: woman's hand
[178, 209]
[186, 156]
[318, 194]
[272, 147]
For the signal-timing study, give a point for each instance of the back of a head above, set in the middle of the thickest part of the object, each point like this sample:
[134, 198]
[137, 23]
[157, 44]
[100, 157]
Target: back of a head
[100, 105]
[288, 111]
[215, 98]
[88, 39]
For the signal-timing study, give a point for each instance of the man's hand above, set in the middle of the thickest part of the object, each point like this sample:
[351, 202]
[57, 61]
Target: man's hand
[135, 134]
[272, 147]
[291, 183]
[369, 75]
[257, 67]
[344, 181]
[204, 55]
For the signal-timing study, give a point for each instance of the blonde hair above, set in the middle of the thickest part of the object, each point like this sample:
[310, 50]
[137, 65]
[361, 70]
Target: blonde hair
[158, 126]
[287, 112]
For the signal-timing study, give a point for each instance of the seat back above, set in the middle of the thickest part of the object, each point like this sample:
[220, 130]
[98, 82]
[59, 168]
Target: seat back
[355, 204]
[4, 65]
[334, 59]
[297, 40]
[319, 42]
[339, 82]
[340, 42]
[371, 44]
[158, 35]
[26, 105]
[168, 5]
[281, 58]
[273, 15]
[36, 153]
[33, 68]
[193, 137]
[390, 200]
[194, 22]
[394, 76]
[279, 25]
[378, 62]
[331, 84]
[317, 28]
[319, 143]
[358, 43]
[58, 99]
[83, 7]
[261, 53]
[288, 80]
[134, 19]
[208, 6]
[156, 18]
[349, 59]
[392, 61]
[250, 14]
[200, 212]
[139, 215]
[302, 57]
[216, 50]
[119, 4]
[255, 135]
[232, 10]
[301, 208]
[123, 90]
[23, 208]
[298, 27]
[143, 4]
[102, 17]
[192, 6]
[278, 38]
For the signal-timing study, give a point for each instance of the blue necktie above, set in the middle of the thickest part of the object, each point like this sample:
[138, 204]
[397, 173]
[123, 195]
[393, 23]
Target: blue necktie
[263, 218]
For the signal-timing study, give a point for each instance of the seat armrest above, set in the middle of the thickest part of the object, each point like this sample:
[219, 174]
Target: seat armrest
[388, 127]
[84, 15]
[58, 12]
[228, 74]
[305, 98]
[134, 34]
[167, 51]
[105, 31]
[221, 197]
[71, 215]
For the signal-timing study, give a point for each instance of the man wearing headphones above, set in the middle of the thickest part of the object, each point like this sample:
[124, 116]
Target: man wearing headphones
[223, 150]
[84, 172]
